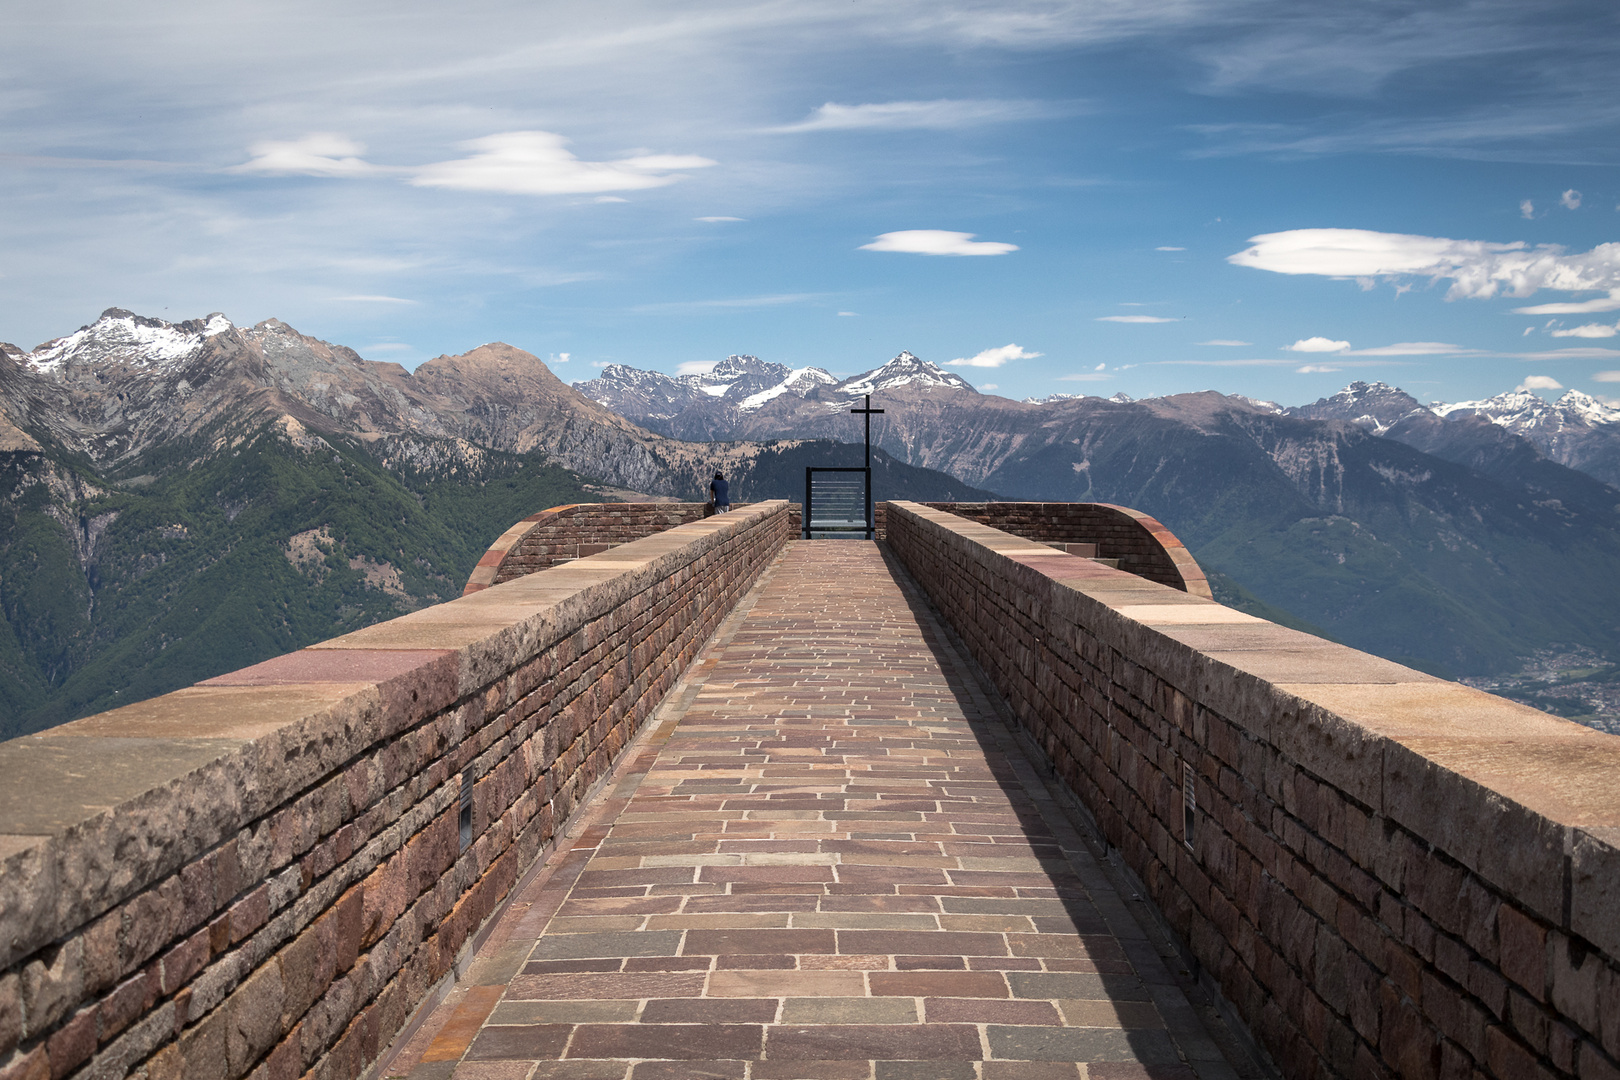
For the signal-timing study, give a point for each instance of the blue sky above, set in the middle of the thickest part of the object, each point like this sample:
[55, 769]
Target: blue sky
[1061, 197]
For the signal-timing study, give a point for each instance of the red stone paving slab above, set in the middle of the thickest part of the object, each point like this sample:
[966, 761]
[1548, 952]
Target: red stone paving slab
[828, 867]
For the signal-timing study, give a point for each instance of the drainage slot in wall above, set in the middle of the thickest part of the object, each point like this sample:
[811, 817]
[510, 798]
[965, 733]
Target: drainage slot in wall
[466, 809]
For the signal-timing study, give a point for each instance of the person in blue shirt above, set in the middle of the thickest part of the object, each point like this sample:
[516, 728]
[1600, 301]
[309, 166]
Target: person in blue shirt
[719, 492]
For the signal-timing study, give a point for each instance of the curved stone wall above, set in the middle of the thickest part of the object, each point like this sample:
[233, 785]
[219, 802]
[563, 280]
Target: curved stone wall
[564, 533]
[1138, 542]
[1385, 873]
[266, 873]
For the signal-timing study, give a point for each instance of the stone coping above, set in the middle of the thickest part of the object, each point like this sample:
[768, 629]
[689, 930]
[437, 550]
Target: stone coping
[1525, 799]
[97, 809]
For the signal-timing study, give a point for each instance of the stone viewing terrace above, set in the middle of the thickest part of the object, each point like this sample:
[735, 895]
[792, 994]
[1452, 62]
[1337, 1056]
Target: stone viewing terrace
[717, 802]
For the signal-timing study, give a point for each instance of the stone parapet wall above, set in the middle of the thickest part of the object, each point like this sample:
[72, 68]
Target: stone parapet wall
[1386, 874]
[563, 533]
[1142, 545]
[264, 874]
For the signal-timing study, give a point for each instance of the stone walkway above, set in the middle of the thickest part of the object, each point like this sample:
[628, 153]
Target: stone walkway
[825, 861]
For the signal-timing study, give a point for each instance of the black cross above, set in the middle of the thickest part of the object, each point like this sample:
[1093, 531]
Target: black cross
[868, 411]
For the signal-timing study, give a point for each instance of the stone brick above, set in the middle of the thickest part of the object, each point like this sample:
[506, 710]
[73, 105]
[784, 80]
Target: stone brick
[1523, 950]
[52, 985]
[73, 1042]
[33, 1064]
[11, 1014]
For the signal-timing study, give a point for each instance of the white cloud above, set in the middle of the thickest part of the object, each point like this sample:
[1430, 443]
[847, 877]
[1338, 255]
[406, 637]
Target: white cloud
[1588, 352]
[771, 300]
[1316, 369]
[848, 314]
[1318, 344]
[1571, 199]
[1580, 307]
[372, 300]
[560, 358]
[1168, 248]
[1540, 382]
[719, 217]
[1527, 209]
[1478, 269]
[937, 242]
[609, 199]
[1606, 376]
[695, 367]
[539, 163]
[996, 357]
[1412, 348]
[1134, 318]
[1229, 342]
[1589, 330]
[940, 115]
[385, 346]
[321, 153]
[989, 386]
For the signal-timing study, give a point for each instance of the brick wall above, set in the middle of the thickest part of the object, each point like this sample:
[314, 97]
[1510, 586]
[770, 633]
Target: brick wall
[264, 874]
[1142, 545]
[569, 532]
[1388, 874]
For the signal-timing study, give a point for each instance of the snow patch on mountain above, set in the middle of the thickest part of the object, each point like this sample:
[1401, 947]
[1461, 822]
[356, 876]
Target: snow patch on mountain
[904, 370]
[122, 337]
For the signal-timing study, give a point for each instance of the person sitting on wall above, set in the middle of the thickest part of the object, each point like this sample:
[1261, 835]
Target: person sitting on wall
[719, 493]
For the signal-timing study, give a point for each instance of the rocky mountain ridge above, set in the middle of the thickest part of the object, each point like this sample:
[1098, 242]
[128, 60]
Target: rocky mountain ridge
[744, 392]
[182, 499]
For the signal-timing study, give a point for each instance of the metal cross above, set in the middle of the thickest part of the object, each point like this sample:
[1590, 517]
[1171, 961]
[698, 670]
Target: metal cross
[868, 411]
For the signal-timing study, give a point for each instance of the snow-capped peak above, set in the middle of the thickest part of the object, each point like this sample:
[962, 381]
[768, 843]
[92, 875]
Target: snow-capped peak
[1520, 410]
[123, 337]
[904, 370]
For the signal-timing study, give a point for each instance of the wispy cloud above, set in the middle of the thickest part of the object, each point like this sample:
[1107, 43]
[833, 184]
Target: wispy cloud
[1527, 210]
[1540, 382]
[539, 163]
[1169, 248]
[1590, 352]
[512, 162]
[1589, 330]
[1134, 318]
[1606, 376]
[993, 358]
[1414, 348]
[1578, 307]
[940, 115]
[1227, 342]
[771, 300]
[1570, 200]
[719, 217]
[373, 300]
[937, 242]
[1316, 369]
[1477, 269]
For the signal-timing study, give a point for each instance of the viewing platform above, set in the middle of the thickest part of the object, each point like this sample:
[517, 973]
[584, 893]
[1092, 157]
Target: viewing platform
[1004, 795]
[827, 859]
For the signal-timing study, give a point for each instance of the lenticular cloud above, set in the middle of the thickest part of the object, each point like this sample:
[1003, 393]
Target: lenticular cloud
[1477, 269]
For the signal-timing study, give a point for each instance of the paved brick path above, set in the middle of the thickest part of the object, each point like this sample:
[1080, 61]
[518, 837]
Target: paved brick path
[823, 867]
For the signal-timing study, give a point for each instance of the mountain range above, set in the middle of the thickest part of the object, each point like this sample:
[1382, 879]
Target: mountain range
[1464, 539]
[182, 499]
